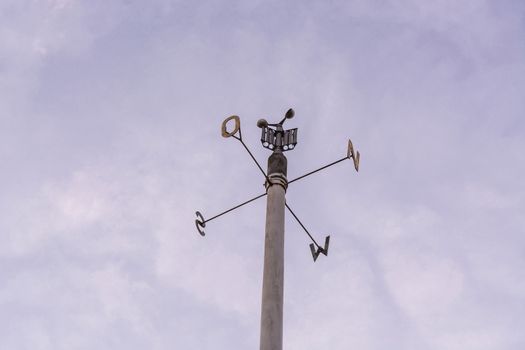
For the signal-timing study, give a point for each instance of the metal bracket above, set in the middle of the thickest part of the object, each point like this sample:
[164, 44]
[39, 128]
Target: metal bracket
[320, 250]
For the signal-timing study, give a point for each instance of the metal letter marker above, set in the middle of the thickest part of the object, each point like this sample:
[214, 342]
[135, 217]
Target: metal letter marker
[278, 140]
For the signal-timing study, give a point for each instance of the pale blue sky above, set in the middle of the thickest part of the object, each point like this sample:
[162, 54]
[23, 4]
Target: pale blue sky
[110, 116]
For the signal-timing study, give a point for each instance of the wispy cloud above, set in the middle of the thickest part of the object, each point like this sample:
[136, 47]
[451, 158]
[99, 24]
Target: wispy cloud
[109, 141]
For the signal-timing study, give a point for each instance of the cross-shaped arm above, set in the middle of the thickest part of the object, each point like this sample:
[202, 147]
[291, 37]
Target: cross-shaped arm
[315, 248]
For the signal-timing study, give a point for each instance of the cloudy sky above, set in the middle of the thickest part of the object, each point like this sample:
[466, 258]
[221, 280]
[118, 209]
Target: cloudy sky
[110, 115]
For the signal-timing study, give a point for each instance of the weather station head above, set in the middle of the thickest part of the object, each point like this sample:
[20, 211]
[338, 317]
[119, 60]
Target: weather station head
[274, 137]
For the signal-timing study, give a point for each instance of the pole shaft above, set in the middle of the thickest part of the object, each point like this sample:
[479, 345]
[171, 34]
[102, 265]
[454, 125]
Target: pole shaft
[273, 274]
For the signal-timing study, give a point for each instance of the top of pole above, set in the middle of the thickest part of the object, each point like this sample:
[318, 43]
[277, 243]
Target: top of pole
[277, 170]
[275, 137]
[278, 140]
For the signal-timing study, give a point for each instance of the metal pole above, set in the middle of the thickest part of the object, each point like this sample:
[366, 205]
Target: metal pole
[275, 138]
[273, 275]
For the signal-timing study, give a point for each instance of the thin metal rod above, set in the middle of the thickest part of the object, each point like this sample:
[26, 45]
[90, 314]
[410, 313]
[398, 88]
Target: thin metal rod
[312, 172]
[300, 223]
[237, 206]
[251, 155]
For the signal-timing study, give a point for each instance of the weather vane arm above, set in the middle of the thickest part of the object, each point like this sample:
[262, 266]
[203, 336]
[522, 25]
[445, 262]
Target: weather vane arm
[315, 171]
[237, 128]
[351, 154]
[314, 245]
[253, 157]
[200, 222]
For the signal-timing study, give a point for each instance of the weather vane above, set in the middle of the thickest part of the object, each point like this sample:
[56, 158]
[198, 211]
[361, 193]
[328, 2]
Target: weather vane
[275, 138]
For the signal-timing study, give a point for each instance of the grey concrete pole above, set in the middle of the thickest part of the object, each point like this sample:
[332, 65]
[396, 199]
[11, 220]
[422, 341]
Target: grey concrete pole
[273, 275]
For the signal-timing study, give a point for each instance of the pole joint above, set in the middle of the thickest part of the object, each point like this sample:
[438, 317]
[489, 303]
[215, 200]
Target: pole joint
[276, 179]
